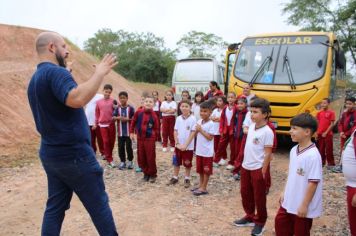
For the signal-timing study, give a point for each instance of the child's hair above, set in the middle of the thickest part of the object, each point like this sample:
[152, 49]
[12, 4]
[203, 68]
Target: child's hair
[215, 84]
[326, 99]
[123, 93]
[155, 92]
[169, 91]
[233, 93]
[145, 94]
[185, 101]
[350, 99]
[149, 96]
[262, 104]
[108, 86]
[223, 98]
[199, 93]
[242, 99]
[206, 105]
[306, 121]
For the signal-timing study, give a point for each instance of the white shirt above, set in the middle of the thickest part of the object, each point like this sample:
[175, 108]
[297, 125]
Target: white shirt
[216, 114]
[248, 98]
[90, 109]
[349, 163]
[156, 106]
[184, 126]
[168, 105]
[228, 114]
[196, 111]
[247, 121]
[303, 167]
[256, 141]
[204, 147]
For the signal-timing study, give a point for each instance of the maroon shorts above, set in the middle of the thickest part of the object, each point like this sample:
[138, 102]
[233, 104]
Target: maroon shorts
[184, 157]
[205, 165]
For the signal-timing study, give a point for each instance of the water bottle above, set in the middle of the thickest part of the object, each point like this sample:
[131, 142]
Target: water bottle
[174, 159]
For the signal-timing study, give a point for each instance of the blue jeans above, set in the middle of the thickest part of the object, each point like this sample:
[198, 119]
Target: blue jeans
[84, 176]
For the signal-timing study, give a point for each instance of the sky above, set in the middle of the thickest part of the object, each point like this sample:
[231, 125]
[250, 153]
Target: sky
[79, 20]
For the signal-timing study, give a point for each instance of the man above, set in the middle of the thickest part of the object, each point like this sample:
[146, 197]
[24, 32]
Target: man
[69, 161]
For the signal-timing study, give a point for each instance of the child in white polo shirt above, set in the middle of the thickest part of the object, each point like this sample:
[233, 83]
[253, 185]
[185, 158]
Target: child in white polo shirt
[257, 156]
[204, 131]
[182, 130]
[168, 109]
[301, 200]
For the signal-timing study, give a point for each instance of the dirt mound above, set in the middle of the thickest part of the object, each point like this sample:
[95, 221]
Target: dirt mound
[17, 63]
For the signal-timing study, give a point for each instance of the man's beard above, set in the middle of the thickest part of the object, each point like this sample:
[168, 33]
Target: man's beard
[61, 61]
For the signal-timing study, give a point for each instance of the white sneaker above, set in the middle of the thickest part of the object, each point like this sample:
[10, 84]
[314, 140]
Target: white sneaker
[230, 167]
[222, 162]
[172, 149]
[164, 149]
[111, 165]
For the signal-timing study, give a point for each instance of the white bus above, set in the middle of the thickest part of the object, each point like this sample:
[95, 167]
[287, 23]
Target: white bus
[194, 74]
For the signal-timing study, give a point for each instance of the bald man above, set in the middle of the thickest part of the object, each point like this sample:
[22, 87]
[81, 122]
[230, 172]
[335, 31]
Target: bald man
[57, 102]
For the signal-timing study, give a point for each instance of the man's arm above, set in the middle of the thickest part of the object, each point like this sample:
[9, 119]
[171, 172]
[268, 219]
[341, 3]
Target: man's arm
[309, 194]
[81, 95]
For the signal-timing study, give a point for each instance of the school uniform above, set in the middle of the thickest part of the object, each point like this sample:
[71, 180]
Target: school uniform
[94, 134]
[103, 120]
[157, 110]
[204, 149]
[253, 187]
[123, 132]
[184, 126]
[196, 110]
[305, 166]
[347, 124]
[349, 170]
[168, 121]
[325, 144]
[216, 114]
[239, 139]
[226, 130]
[145, 125]
[268, 178]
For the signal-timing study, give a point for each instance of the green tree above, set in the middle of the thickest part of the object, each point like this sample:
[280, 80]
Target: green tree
[326, 15]
[142, 56]
[200, 44]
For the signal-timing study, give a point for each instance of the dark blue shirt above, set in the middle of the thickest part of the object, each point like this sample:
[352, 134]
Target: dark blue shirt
[64, 130]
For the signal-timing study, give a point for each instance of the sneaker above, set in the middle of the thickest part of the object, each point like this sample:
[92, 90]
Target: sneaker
[222, 162]
[257, 230]
[337, 169]
[111, 165]
[243, 222]
[186, 183]
[146, 178]
[130, 165]
[330, 167]
[172, 181]
[153, 179]
[164, 149]
[236, 177]
[122, 166]
[230, 167]
[172, 149]
[215, 164]
[138, 170]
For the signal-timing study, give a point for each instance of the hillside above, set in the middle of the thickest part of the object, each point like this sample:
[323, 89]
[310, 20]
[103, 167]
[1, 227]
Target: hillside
[17, 63]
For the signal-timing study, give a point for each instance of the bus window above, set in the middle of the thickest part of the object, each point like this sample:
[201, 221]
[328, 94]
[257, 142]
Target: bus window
[221, 75]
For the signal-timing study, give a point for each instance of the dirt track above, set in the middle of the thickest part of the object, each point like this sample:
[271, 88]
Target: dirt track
[156, 209]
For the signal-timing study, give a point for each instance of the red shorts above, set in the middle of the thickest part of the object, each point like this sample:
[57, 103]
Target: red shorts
[184, 157]
[205, 165]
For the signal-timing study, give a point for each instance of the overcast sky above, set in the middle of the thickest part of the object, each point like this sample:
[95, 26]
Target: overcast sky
[78, 20]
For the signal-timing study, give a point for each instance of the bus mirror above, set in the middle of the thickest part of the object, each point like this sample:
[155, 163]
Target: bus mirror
[234, 46]
[340, 59]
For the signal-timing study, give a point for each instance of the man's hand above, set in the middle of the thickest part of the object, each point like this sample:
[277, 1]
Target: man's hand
[106, 64]
[302, 211]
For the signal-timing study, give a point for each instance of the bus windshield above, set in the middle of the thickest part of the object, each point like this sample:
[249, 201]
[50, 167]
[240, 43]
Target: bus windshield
[268, 60]
[194, 70]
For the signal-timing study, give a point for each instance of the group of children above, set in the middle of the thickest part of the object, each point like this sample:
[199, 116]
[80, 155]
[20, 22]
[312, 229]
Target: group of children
[205, 129]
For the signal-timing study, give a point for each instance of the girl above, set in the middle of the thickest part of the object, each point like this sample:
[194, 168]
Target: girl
[215, 117]
[198, 99]
[156, 109]
[168, 109]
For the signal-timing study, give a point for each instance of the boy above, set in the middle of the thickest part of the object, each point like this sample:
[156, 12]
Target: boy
[182, 129]
[184, 96]
[123, 115]
[203, 130]
[227, 133]
[103, 120]
[257, 156]
[145, 125]
[347, 123]
[301, 200]
[326, 118]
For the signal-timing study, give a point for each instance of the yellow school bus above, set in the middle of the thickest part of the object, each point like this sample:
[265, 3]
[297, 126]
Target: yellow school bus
[294, 71]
